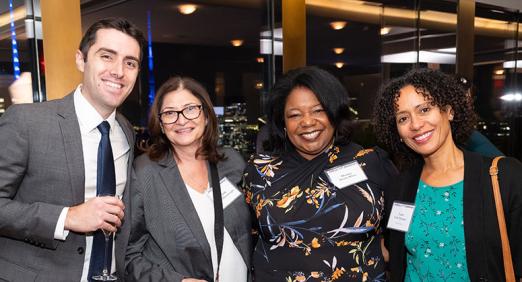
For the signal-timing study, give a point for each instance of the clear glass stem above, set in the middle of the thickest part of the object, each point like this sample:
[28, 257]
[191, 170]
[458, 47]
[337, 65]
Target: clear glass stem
[107, 238]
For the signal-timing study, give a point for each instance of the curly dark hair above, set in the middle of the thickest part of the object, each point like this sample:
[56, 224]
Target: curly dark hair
[158, 145]
[441, 90]
[329, 91]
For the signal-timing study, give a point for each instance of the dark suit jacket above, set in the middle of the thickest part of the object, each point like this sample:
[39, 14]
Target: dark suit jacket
[42, 171]
[167, 241]
[481, 232]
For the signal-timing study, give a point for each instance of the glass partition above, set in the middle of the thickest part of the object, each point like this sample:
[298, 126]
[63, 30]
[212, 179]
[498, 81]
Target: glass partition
[20, 47]
[232, 47]
[497, 85]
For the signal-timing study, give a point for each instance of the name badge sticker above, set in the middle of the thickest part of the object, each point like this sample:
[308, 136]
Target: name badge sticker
[345, 175]
[401, 216]
[229, 191]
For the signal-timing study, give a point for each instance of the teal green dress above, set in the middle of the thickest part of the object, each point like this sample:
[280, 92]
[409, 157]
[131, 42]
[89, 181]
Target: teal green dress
[436, 249]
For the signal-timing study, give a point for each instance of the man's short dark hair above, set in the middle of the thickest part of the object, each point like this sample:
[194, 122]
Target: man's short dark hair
[120, 24]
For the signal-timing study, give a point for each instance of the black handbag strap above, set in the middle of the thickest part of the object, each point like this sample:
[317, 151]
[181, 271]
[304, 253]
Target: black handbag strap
[219, 221]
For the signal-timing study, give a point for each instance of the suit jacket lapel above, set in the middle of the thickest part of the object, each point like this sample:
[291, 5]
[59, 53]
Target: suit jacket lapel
[408, 194]
[412, 183]
[475, 180]
[173, 183]
[121, 237]
[72, 141]
[129, 133]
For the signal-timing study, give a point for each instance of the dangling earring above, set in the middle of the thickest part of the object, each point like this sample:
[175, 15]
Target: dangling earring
[401, 140]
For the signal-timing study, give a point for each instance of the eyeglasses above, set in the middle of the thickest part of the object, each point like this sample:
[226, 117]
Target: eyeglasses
[170, 116]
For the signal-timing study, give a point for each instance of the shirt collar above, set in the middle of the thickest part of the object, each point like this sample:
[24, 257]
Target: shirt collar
[88, 117]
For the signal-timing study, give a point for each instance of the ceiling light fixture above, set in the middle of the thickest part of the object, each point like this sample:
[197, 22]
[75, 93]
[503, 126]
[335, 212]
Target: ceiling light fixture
[236, 42]
[339, 65]
[338, 25]
[499, 72]
[260, 60]
[187, 9]
[385, 30]
[338, 50]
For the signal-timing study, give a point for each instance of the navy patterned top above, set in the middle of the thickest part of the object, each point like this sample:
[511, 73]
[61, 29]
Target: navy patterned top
[310, 230]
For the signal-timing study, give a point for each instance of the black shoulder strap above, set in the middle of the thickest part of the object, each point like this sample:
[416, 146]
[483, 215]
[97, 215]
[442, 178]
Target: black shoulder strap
[219, 221]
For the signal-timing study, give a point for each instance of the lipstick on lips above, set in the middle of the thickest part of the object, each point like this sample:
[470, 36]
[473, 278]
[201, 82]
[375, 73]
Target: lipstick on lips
[423, 138]
[310, 136]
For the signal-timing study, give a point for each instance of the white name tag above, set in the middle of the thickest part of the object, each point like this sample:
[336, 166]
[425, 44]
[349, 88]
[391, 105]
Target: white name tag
[345, 175]
[400, 216]
[229, 191]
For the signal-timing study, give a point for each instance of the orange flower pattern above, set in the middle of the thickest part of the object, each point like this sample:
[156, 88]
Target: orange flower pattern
[310, 230]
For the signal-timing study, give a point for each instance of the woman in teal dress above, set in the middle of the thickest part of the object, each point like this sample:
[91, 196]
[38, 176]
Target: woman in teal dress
[424, 118]
[318, 199]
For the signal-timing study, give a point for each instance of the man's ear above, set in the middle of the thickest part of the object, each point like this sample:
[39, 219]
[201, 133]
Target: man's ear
[80, 62]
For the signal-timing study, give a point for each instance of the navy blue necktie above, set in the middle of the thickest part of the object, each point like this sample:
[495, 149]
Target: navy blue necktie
[106, 186]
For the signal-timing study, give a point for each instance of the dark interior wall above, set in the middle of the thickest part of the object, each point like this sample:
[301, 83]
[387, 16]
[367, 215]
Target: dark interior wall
[203, 62]
[364, 89]
[199, 62]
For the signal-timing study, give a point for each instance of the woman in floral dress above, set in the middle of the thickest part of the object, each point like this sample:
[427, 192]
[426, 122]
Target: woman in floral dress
[319, 198]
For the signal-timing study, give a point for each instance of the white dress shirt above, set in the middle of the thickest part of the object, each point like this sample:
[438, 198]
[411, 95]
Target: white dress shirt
[89, 119]
[232, 267]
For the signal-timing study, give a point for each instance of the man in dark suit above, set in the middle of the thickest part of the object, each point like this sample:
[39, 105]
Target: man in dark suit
[55, 159]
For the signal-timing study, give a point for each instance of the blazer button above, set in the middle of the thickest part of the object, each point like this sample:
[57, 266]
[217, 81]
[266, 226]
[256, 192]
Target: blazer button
[80, 250]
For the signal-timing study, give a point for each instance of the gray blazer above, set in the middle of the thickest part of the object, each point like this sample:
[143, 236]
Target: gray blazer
[42, 171]
[167, 241]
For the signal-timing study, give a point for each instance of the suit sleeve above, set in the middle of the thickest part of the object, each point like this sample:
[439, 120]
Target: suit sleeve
[233, 166]
[34, 222]
[137, 266]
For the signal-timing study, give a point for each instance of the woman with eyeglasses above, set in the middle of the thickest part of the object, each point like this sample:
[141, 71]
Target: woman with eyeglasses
[189, 221]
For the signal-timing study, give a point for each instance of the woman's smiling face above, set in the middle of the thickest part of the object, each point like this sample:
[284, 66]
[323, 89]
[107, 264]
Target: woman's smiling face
[422, 126]
[307, 124]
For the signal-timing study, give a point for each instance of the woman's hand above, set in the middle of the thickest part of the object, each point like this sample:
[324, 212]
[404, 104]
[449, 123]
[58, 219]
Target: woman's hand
[193, 280]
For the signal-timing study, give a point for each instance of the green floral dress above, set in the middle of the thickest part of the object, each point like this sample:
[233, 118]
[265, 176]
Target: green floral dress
[435, 242]
[310, 230]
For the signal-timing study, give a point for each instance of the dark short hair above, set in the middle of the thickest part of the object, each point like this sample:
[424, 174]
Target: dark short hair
[158, 144]
[441, 90]
[329, 91]
[120, 24]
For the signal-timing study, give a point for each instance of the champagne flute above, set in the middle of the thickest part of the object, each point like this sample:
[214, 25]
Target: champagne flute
[106, 275]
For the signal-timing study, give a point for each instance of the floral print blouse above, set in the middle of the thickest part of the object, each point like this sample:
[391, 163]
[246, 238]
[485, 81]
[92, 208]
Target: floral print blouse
[435, 241]
[310, 230]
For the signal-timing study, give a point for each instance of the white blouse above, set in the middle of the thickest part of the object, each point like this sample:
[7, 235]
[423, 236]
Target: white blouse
[232, 267]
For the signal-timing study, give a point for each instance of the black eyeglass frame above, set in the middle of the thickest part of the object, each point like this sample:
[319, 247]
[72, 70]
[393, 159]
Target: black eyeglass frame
[200, 107]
